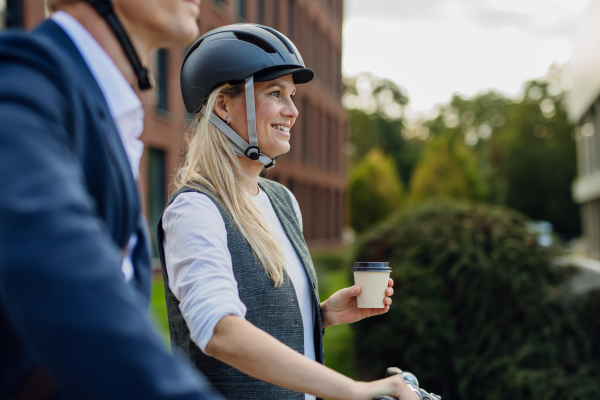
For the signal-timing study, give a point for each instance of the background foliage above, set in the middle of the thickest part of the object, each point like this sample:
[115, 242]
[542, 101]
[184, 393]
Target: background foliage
[375, 189]
[480, 312]
[512, 152]
[447, 169]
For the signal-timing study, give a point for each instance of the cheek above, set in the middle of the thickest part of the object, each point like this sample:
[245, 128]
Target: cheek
[266, 113]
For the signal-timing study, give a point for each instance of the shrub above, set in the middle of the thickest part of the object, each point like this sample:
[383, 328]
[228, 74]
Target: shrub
[478, 310]
[376, 191]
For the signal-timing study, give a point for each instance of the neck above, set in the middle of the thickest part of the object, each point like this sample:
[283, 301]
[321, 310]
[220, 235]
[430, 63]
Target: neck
[250, 171]
[87, 16]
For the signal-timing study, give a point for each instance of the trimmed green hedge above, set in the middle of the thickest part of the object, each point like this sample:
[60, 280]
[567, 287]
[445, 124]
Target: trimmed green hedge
[479, 311]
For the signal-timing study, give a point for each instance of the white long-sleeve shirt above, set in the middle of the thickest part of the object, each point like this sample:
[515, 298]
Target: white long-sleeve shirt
[201, 272]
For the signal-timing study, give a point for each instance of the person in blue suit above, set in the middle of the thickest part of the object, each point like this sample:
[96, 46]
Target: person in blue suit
[74, 248]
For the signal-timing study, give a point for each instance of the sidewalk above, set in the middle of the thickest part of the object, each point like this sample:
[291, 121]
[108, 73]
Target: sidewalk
[588, 275]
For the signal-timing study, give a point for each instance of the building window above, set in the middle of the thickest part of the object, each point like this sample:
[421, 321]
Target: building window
[276, 15]
[2, 14]
[315, 49]
[156, 190]
[305, 130]
[11, 14]
[260, 12]
[162, 57]
[291, 12]
[242, 9]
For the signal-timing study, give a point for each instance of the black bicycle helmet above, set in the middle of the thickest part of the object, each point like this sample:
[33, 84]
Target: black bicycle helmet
[236, 53]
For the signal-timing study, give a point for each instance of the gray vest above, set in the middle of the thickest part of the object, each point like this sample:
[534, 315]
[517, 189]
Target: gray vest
[274, 310]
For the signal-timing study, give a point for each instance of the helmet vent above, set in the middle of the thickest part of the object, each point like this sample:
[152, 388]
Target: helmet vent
[280, 37]
[255, 40]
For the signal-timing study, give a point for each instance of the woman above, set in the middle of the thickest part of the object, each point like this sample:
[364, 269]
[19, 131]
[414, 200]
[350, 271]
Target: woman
[241, 289]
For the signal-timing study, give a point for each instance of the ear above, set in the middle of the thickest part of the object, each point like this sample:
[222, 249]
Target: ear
[223, 106]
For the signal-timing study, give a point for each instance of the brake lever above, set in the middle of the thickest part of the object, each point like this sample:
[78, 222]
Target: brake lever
[412, 382]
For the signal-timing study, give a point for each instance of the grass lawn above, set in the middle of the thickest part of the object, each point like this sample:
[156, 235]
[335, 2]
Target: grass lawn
[158, 310]
[333, 274]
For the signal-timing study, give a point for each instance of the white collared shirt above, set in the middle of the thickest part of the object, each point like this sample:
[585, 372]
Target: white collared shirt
[124, 105]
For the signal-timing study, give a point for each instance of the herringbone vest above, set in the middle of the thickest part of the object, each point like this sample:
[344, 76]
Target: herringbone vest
[274, 310]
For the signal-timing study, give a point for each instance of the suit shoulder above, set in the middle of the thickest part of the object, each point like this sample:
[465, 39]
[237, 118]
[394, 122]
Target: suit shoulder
[24, 54]
[35, 78]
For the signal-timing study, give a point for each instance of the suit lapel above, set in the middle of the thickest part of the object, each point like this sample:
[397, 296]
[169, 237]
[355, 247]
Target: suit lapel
[111, 134]
[127, 189]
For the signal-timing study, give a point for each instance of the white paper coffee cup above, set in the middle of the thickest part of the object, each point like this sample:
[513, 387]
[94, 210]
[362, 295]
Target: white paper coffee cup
[372, 277]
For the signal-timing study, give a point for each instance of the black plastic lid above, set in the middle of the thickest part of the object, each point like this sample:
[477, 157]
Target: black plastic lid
[372, 266]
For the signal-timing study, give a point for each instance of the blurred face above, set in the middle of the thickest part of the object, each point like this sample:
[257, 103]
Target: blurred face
[275, 114]
[161, 23]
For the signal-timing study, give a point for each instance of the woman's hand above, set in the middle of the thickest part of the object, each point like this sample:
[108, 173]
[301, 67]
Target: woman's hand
[341, 307]
[392, 386]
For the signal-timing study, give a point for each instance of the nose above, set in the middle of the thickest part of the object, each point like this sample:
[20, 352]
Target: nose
[290, 110]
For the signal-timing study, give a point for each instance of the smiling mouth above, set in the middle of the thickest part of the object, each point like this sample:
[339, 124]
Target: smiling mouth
[281, 128]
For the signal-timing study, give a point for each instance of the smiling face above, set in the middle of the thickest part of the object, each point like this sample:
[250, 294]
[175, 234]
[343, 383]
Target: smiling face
[165, 22]
[275, 114]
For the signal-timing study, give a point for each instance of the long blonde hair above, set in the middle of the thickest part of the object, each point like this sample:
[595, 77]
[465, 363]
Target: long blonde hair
[212, 163]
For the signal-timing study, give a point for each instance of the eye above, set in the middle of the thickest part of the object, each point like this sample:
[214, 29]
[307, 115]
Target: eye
[275, 93]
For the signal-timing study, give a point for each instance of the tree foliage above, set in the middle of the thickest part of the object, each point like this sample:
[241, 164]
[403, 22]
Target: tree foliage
[519, 153]
[533, 159]
[480, 311]
[376, 120]
[523, 148]
[448, 169]
[376, 191]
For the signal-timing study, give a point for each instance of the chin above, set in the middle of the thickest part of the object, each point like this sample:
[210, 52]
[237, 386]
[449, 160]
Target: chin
[184, 33]
[271, 153]
[189, 35]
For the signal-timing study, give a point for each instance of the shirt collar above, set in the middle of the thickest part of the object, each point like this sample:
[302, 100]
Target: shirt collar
[119, 95]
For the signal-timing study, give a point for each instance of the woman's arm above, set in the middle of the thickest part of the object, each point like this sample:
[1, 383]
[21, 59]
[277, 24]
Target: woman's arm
[251, 350]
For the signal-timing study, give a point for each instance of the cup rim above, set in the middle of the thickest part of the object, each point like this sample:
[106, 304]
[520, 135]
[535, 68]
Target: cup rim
[372, 266]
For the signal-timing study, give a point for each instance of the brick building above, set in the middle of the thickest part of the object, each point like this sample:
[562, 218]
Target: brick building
[315, 168]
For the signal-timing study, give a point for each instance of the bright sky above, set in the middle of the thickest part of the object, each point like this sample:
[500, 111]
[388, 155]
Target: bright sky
[434, 48]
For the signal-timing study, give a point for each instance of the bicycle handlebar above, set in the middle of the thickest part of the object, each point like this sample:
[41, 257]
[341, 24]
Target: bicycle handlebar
[413, 384]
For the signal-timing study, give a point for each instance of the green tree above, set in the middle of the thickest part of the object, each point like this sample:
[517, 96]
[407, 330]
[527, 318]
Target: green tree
[534, 161]
[523, 148]
[376, 120]
[448, 169]
[375, 190]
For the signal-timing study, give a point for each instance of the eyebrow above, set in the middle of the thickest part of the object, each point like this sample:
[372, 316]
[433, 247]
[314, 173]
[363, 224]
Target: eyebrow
[278, 85]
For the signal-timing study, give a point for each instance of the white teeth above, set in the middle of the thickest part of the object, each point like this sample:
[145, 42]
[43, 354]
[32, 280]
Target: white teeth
[281, 128]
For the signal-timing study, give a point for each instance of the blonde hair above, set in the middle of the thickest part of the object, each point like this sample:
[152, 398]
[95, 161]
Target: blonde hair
[212, 163]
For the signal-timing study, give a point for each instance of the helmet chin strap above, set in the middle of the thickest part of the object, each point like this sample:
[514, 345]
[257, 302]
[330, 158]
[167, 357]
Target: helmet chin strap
[106, 11]
[238, 144]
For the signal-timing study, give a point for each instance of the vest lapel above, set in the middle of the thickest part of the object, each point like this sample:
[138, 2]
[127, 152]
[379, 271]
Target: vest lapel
[287, 215]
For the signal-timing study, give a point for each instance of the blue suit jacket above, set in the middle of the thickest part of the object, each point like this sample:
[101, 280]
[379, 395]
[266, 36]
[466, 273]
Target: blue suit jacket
[68, 205]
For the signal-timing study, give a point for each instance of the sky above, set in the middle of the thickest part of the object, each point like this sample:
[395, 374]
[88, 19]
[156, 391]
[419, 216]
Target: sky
[434, 48]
